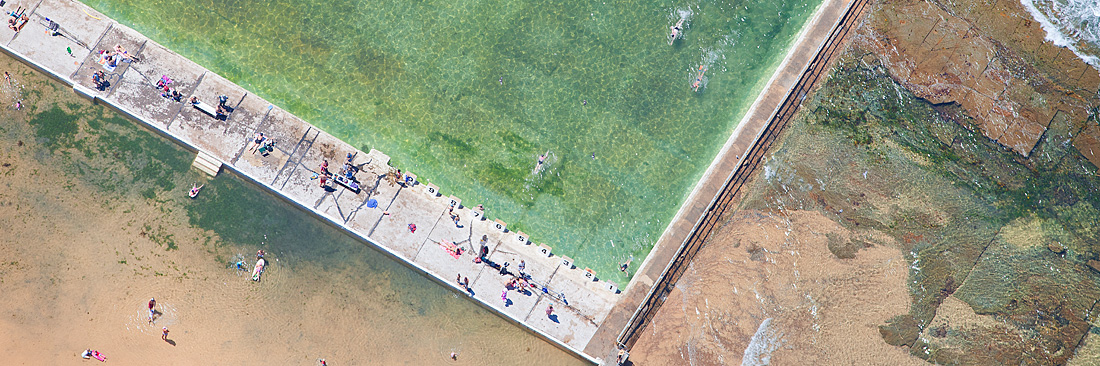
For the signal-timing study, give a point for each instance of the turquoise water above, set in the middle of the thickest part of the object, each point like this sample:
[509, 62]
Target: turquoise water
[467, 94]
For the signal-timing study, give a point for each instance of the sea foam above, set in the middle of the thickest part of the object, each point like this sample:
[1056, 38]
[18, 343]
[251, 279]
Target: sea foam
[1072, 23]
[765, 341]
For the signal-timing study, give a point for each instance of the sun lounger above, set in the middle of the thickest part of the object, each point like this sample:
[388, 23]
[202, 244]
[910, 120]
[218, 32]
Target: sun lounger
[451, 248]
[205, 108]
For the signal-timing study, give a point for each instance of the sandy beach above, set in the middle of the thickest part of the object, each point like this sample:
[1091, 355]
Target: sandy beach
[96, 220]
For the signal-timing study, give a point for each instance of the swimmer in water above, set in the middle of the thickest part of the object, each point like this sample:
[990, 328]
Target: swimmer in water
[194, 191]
[699, 80]
[623, 266]
[541, 162]
[676, 31]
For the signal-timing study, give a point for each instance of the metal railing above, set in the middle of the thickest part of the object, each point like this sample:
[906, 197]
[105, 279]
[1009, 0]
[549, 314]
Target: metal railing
[814, 70]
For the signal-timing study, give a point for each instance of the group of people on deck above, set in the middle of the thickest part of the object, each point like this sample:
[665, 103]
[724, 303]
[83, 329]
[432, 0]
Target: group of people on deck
[18, 19]
[346, 175]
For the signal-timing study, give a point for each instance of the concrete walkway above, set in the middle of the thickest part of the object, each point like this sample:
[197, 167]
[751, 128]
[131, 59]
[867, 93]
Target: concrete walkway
[581, 301]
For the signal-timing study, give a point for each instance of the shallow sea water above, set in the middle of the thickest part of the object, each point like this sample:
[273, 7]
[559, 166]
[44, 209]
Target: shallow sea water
[467, 94]
[96, 221]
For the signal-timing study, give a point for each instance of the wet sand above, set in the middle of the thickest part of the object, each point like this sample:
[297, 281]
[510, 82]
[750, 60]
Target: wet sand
[96, 221]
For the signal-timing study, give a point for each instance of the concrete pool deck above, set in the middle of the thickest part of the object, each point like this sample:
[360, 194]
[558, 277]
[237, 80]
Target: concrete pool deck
[593, 311]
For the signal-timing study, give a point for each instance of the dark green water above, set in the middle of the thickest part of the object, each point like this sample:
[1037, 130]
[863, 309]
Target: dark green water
[467, 94]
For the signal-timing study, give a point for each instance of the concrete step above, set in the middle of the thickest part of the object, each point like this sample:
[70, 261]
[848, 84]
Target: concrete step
[207, 164]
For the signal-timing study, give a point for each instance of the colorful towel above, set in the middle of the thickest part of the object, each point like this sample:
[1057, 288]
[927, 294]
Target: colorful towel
[451, 248]
[106, 66]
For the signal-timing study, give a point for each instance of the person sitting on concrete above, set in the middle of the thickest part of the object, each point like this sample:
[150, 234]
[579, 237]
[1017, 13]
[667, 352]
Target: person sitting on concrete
[99, 78]
[124, 54]
[18, 19]
[222, 112]
[163, 82]
[257, 141]
[267, 148]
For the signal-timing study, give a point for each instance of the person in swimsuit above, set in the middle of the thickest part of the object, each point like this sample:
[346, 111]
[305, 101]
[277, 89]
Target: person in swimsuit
[676, 29]
[699, 80]
[122, 52]
[539, 164]
[194, 190]
[623, 266]
[256, 141]
[152, 303]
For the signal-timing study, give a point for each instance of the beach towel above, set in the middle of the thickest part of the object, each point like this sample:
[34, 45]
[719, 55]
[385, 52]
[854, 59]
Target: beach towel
[92, 353]
[106, 66]
[451, 248]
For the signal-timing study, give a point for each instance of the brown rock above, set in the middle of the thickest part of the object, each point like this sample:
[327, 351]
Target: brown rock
[946, 59]
[1057, 248]
[1088, 143]
[1095, 264]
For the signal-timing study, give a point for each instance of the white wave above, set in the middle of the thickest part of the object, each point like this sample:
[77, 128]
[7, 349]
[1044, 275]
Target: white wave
[1080, 18]
[765, 341]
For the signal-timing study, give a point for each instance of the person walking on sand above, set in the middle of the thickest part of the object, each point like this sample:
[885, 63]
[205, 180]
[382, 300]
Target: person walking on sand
[322, 362]
[152, 303]
[164, 333]
[550, 310]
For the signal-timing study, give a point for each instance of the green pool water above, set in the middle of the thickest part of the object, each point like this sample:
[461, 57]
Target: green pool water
[467, 94]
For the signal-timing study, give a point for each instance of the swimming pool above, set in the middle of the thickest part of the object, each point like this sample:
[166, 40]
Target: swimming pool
[467, 94]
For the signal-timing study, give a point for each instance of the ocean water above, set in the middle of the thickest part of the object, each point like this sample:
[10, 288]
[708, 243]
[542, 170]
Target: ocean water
[1074, 24]
[467, 94]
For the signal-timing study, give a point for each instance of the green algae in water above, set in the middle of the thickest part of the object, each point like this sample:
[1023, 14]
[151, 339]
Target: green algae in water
[116, 163]
[1010, 237]
[468, 93]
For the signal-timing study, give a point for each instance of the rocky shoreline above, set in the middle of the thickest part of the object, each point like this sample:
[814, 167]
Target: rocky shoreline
[932, 203]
